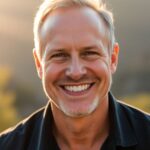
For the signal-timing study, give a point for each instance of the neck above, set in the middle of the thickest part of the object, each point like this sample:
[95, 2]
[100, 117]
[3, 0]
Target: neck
[87, 132]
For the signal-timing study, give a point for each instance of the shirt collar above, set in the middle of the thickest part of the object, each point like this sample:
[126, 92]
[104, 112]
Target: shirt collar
[120, 126]
[46, 139]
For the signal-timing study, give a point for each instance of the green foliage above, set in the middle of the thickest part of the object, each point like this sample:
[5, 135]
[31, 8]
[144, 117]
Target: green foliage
[8, 113]
[141, 101]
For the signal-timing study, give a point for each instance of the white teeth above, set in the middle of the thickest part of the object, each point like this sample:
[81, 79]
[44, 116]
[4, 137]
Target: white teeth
[78, 88]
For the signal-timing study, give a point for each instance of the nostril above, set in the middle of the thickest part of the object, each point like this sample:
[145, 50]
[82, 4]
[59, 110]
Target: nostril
[76, 69]
[75, 73]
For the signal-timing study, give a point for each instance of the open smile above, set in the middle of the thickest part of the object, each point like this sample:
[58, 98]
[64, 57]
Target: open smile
[77, 89]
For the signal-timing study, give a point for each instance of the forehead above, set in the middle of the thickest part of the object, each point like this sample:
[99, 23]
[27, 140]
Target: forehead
[76, 23]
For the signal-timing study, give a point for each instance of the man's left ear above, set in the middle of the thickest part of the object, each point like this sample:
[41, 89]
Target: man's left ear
[114, 58]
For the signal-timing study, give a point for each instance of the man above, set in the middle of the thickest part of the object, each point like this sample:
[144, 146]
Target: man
[75, 55]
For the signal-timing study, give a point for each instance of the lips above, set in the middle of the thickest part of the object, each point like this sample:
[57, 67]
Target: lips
[77, 88]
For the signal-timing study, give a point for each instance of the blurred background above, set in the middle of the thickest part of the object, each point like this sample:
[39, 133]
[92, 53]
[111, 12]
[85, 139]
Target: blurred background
[21, 91]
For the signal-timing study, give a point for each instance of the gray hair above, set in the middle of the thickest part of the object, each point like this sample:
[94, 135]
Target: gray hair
[50, 5]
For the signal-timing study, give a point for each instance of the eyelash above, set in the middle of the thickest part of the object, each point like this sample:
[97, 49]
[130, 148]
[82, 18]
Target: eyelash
[59, 55]
[90, 53]
[86, 54]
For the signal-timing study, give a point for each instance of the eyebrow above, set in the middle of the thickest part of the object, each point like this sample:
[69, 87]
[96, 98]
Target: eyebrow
[49, 49]
[95, 46]
[88, 47]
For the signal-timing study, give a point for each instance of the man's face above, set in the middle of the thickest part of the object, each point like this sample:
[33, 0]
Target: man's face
[76, 66]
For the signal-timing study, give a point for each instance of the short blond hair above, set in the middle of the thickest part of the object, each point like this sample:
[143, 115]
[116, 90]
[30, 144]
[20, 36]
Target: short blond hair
[50, 5]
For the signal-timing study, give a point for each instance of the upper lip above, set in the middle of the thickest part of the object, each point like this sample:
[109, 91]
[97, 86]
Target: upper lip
[75, 84]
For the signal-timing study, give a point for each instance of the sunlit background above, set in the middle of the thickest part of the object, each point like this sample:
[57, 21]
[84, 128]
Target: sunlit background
[20, 89]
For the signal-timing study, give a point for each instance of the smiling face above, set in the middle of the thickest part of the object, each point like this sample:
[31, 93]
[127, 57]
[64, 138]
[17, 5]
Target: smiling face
[75, 67]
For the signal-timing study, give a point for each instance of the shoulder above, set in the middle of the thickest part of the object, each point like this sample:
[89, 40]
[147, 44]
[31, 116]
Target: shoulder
[139, 122]
[22, 131]
[134, 113]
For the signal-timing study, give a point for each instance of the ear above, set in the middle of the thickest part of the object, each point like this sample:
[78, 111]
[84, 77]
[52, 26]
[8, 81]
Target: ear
[37, 63]
[114, 58]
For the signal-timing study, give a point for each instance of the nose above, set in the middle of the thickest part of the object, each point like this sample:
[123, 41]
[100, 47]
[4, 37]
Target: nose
[76, 69]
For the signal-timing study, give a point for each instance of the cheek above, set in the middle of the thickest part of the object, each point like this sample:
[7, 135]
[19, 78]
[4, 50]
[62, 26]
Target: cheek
[52, 72]
[99, 67]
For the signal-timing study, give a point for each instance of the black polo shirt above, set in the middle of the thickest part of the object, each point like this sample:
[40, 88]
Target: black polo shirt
[130, 130]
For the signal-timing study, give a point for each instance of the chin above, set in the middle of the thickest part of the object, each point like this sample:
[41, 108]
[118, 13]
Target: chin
[77, 112]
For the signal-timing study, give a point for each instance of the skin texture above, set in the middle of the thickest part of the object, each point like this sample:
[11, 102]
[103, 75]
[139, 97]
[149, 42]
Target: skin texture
[74, 53]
